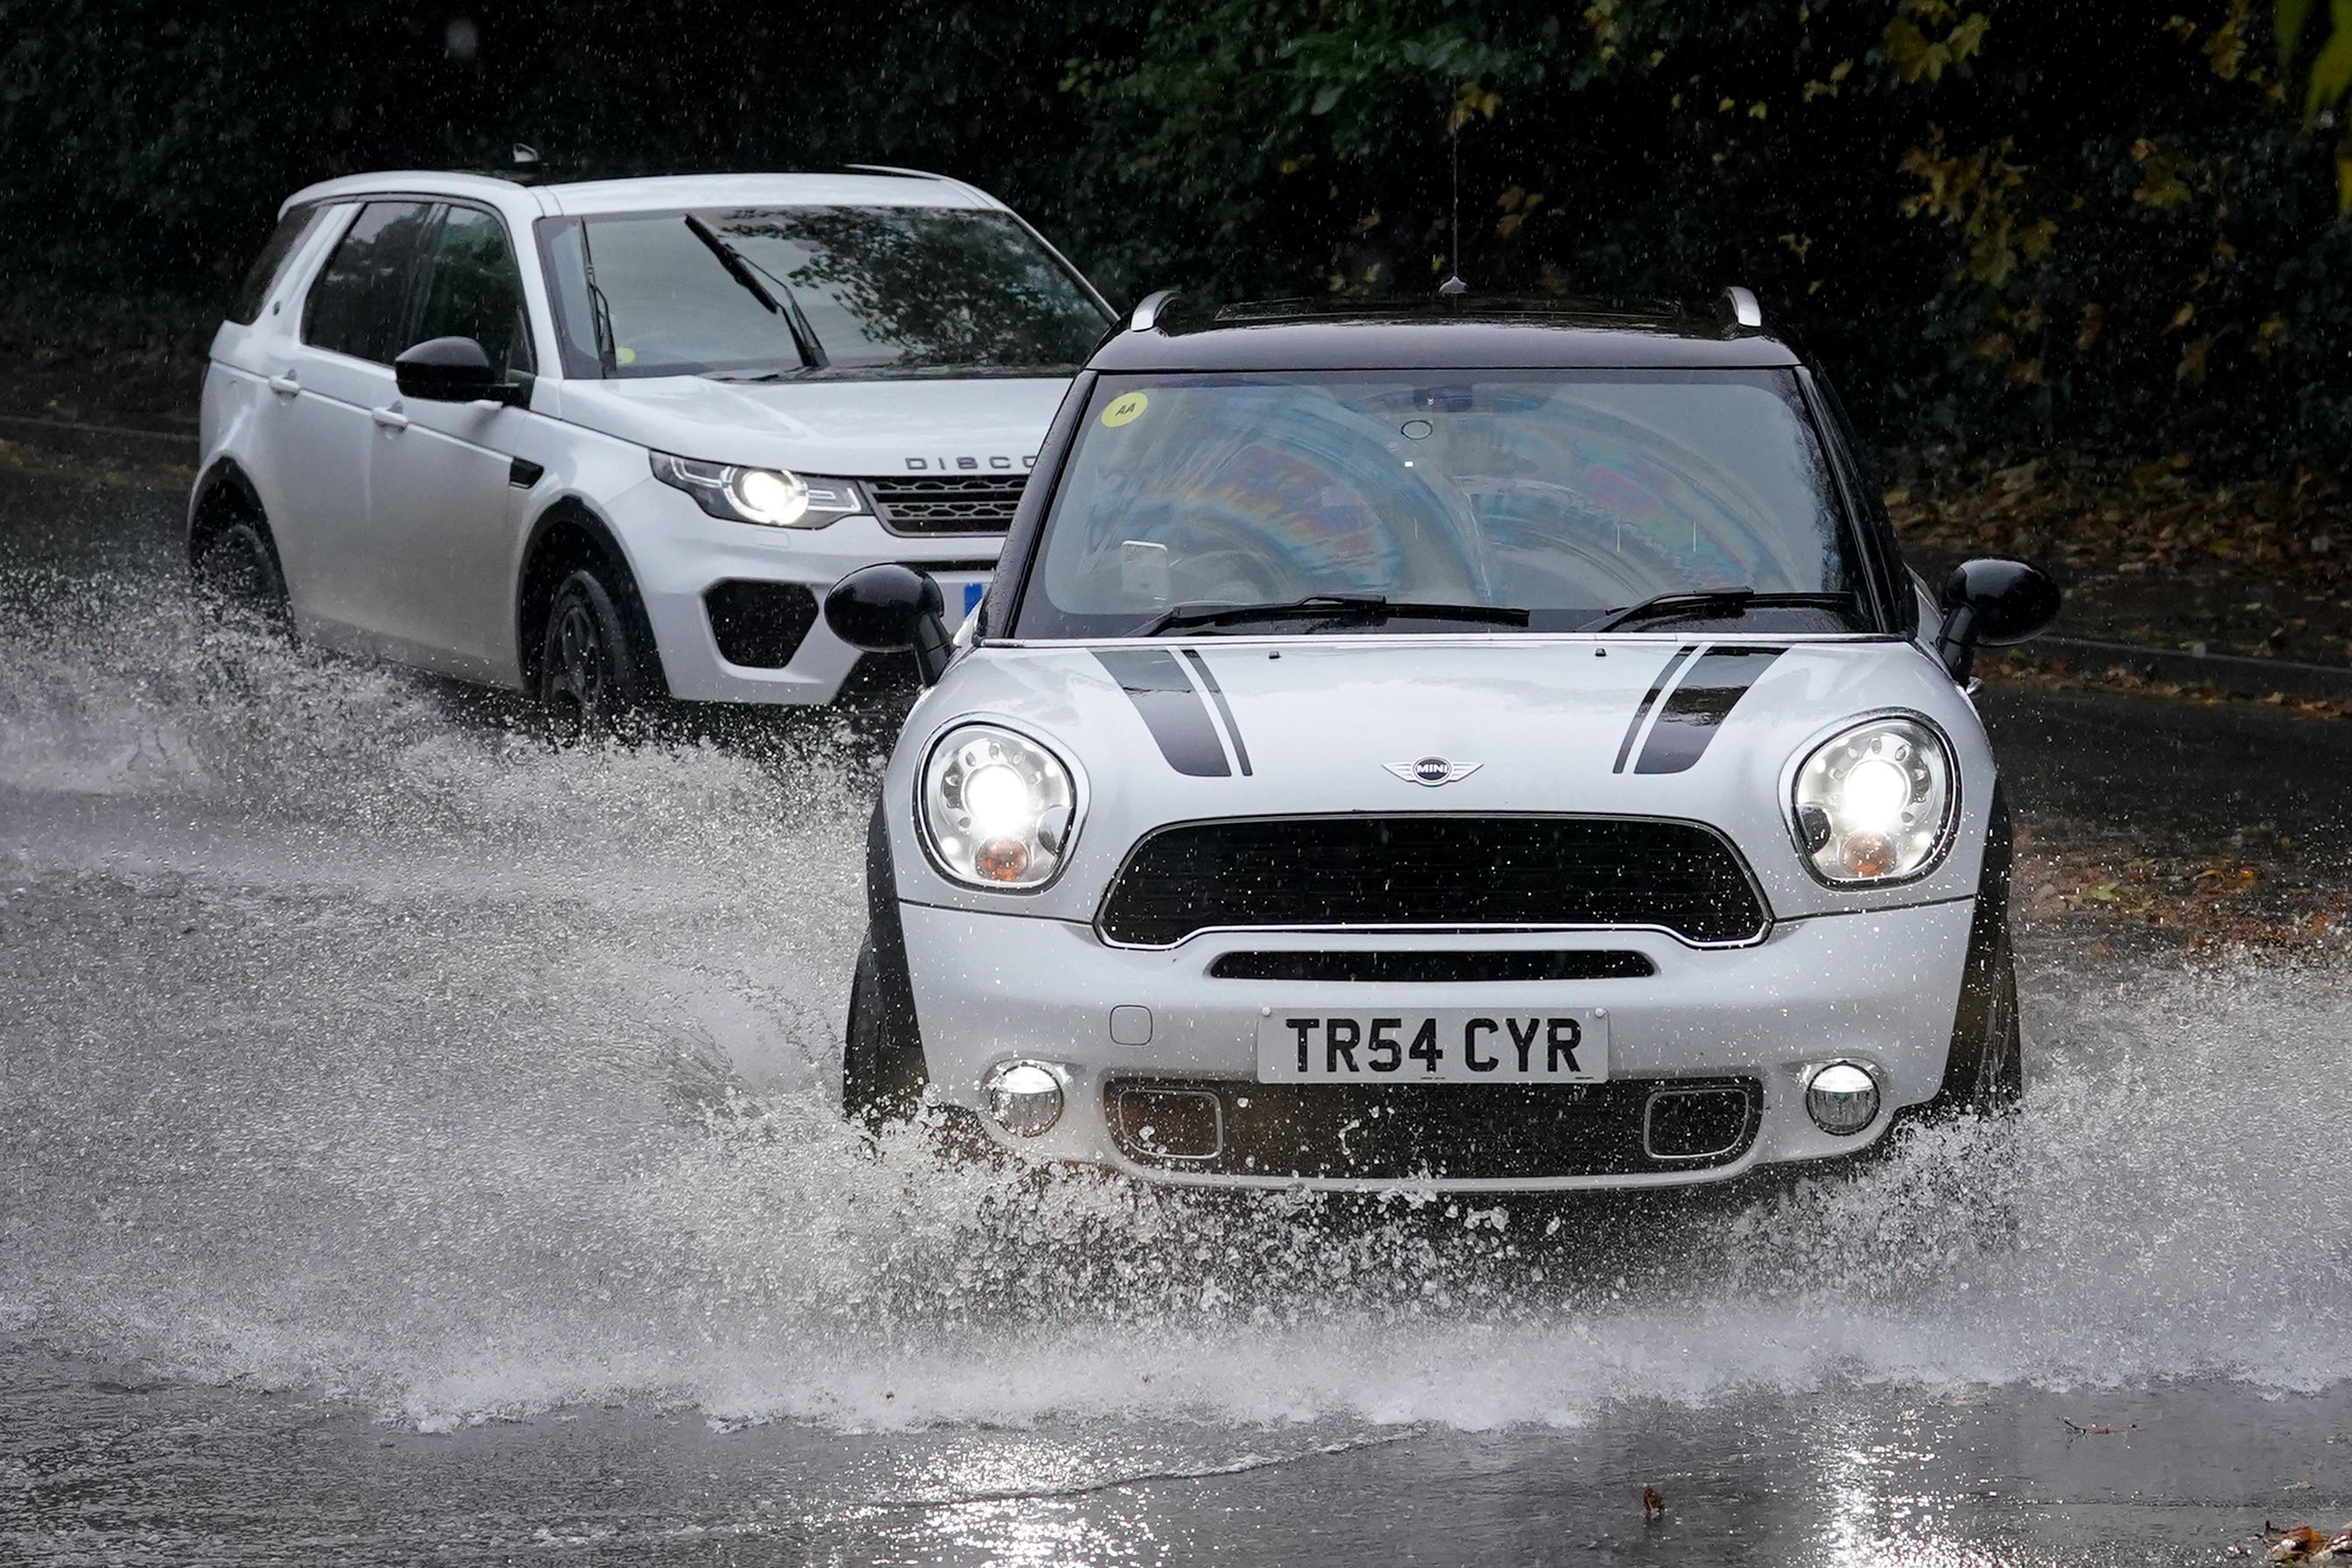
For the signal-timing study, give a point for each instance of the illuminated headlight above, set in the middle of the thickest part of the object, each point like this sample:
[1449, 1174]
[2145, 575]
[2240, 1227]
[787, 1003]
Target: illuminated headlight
[775, 498]
[1874, 804]
[996, 808]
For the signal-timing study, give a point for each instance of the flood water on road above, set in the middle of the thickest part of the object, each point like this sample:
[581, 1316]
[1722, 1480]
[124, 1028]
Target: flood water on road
[376, 1075]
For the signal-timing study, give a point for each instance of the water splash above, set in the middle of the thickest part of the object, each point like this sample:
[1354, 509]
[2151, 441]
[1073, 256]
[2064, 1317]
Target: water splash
[366, 1040]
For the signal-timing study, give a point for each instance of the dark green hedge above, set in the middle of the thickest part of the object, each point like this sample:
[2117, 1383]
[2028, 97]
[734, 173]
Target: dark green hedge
[2096, 222]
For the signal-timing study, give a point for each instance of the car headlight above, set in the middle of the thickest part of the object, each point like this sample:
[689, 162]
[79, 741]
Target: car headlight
[1875, 803]
[996, 808]
[776, 497]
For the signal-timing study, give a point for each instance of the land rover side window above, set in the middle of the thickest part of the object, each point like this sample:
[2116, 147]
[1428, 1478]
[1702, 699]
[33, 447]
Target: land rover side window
[473, 288]
[1568, 494]
[359, 306]
[262, 276]
[881, 290]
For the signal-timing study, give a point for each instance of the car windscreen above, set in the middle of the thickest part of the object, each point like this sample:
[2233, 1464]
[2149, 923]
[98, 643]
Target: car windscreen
[876, 289]
[1573, 496]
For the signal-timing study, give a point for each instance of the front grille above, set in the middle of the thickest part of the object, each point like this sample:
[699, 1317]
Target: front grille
[1464, 1132]
[1430, 966]
[1432, 871]
[964, 504]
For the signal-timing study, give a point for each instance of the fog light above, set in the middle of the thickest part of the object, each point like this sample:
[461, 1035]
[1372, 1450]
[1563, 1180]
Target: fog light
[1841, 1098]
[1023, 1097]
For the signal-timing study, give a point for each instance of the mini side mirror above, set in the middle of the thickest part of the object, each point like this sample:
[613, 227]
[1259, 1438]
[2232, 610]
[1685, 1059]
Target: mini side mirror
[453, 369]
[1992, 604]
[891, 608]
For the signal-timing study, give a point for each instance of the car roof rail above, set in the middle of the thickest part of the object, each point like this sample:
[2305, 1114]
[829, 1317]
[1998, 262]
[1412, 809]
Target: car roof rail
[903, 173]
[1146, 315]
[1741, 303]
[964, 185]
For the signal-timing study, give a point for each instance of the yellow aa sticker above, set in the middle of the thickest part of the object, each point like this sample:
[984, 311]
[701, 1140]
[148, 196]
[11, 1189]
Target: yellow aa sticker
[1125, 410]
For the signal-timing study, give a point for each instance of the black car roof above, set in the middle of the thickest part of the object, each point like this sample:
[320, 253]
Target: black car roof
[1462, 332]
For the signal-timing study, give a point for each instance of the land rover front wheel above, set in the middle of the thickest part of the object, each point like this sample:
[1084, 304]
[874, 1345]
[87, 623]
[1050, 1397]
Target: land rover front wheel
[588, 669]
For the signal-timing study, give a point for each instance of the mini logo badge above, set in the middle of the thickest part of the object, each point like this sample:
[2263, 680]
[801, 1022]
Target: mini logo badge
[1432, 770]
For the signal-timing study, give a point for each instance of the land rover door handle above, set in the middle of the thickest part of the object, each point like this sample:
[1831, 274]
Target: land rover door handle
[389, 418]
[284, 386]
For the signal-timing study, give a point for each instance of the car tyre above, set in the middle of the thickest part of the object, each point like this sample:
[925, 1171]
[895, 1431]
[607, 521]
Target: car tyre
[239, 564]
[589, 669]
[882, 1072]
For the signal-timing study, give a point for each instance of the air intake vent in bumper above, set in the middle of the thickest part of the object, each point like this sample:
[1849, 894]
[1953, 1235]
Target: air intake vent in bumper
[1430, 966]
[759, 625]
[1403, 1131]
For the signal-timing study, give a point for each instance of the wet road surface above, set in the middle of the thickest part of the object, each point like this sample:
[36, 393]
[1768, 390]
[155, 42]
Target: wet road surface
[417, 1145]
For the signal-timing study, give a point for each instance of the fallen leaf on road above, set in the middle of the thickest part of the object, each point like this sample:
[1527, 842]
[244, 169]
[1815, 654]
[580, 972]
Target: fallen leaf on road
[1653, 1505]
[2299, 1543]
[2097, 1429]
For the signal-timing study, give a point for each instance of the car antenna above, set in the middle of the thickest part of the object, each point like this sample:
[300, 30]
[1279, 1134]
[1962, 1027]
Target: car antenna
[1453, 285]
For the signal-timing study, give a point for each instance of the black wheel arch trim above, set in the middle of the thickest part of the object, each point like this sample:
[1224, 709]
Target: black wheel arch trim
[888, 931]
[571, 511]
[228, 473]
[1981, 970]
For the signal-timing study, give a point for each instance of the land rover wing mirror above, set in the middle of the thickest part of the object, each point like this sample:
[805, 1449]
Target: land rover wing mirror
[454, 369]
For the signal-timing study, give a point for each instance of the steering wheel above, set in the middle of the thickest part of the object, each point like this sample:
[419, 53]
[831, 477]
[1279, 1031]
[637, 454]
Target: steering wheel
[1215, 561]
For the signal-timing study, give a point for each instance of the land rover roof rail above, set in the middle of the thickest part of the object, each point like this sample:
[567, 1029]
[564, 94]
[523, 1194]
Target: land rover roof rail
[1741, 305]
[902, 173]
[966, 186]
[1146, 315]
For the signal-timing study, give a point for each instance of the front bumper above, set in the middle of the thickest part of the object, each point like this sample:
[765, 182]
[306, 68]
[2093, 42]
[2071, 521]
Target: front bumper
[679, 553]
[1879, 988]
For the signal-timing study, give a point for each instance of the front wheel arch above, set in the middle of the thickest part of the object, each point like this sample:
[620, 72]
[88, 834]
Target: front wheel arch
[569, 537]
[884, 1070]
[1984, 1067]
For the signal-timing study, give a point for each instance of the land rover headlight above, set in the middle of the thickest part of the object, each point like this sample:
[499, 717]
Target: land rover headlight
[775, 498]
[996, 808]
[1875, 803]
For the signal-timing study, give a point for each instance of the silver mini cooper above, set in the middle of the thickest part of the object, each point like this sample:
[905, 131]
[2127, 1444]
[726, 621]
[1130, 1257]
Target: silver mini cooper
[1485, 746]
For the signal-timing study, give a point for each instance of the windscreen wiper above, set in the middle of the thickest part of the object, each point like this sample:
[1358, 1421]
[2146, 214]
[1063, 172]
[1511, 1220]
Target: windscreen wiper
[744, 271]
[1713, 602]
[600, 309]
[1328, 607]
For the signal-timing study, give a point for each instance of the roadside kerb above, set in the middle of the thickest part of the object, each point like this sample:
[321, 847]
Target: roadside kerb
[2238, 674]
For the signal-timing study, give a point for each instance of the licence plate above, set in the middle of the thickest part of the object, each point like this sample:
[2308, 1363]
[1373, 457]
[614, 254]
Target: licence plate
[1454, 1045]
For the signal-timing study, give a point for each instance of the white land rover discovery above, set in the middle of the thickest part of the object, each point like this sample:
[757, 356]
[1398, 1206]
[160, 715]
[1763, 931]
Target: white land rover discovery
[607, 439]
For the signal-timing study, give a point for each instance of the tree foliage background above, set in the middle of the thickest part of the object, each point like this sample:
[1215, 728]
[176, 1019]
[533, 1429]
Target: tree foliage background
[2118, 224]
